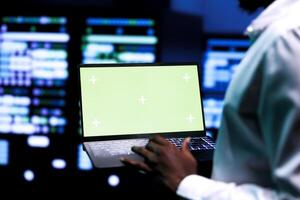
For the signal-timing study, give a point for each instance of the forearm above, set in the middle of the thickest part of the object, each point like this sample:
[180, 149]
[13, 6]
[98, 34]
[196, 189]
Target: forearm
[197, 187]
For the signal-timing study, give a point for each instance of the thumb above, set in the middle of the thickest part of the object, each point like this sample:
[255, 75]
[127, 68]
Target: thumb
[185, 144]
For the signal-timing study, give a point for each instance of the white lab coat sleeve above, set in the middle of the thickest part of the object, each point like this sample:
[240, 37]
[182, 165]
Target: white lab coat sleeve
[279, 110]
[196, 187]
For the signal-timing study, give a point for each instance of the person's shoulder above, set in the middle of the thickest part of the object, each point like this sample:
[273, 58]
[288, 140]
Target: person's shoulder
[285, 27]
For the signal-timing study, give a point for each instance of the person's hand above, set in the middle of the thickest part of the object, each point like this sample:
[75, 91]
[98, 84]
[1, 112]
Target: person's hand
[166, 160]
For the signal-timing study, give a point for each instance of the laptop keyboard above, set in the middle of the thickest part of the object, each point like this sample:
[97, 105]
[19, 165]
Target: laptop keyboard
[123, 147]
[116, 147]
[196, 143]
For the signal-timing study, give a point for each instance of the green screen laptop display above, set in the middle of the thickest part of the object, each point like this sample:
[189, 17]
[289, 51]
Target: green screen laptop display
[140, 100]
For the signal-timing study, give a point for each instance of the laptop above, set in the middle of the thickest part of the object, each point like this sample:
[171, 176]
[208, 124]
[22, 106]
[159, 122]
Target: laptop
[123, 105]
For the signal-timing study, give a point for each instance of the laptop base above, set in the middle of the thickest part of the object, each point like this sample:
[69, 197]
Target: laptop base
[107, 155]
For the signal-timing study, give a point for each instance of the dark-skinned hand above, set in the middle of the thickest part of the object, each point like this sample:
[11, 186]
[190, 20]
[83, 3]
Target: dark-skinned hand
[165, 160]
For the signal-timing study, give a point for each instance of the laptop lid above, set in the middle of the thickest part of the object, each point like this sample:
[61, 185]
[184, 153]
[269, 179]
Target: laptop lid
[138, 100]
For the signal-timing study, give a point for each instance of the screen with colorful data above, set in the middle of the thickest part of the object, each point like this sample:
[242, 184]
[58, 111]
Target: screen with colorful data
[221, 60]
[119, 40]
[33, 75]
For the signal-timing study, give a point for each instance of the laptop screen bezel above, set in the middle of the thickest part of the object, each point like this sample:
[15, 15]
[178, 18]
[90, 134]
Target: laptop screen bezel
[180, 134]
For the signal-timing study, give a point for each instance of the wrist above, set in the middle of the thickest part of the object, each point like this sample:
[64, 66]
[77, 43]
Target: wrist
[174, 182]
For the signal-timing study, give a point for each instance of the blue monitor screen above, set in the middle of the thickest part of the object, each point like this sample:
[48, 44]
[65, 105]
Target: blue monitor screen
[221, 60]
[33, 74]
[4, 152]
[83, 161]
[119, 40]
[213, 107]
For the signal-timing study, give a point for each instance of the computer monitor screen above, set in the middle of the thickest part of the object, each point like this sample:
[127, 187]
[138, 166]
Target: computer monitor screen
[4, 152]
[120, 40]
[124, 100]
[221, 60]
[33, 74]
[83, 160]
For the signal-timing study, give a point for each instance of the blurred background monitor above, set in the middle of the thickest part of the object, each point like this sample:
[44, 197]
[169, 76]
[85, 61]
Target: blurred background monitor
[33, 75]
[221, 57]
[119, 40]
[4, 152]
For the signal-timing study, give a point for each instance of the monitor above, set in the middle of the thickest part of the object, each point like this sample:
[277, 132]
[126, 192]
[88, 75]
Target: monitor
[4, 152]
[221, 59]
[33, 74]
[83, 160]
[119, 40]
[141, 99]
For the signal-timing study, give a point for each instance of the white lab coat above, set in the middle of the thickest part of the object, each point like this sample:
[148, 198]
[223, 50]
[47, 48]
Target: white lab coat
[258, 147]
